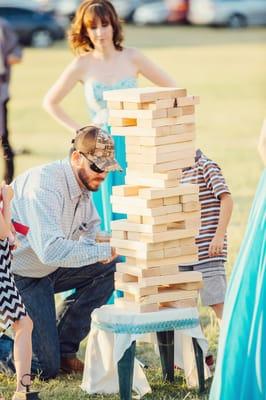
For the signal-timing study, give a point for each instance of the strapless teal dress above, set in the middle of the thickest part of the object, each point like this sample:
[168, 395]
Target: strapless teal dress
[94, 98]
[241, 363]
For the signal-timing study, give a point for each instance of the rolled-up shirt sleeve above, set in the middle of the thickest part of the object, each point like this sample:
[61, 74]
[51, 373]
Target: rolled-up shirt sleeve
[214, 179]
[43, 213]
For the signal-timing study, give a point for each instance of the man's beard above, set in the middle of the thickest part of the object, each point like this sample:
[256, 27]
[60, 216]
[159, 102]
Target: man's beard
[83, 178]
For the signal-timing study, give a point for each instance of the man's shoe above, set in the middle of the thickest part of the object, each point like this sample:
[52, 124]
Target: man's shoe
[70, 365]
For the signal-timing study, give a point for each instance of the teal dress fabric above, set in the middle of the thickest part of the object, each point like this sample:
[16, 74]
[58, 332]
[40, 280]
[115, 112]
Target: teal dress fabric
[241, 363]
[94, 97]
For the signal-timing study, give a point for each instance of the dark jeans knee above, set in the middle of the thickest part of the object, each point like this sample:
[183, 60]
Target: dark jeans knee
[46, 369]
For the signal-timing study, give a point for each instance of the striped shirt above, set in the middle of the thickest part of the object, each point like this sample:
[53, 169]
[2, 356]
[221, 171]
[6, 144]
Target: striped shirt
[62, 222]
[207, 174]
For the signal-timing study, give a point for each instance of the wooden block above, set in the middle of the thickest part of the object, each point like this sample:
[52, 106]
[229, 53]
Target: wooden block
[143, 95]
[188, 136]
[186, 119]
[185, 303]
[172, 261]
[187, 224]
[190, 285]
[139, 114]
[131, 226]
[168, 295]
[191, 206]
[171, 234]
[115, 105]
[132, 149]
[145, 273]
[137, 247]
[150, 193]
[129, 105]
[187, 101]
[135, 307]
[120, 235]
[162, 167]
[144, 211]
[164, 219]
[163, 180]
[187, 198]
[126, 190]
[174, 112]
[179, 277]
[153, 159]
[135, 131]
[133, 140]
[170, 175]
[135, 202]
[155, 123]
[171, 200]
[168, 148]
[158, 104]
[188, 110]
[122, 121]
[133, 236]
[128, 244]
[159, 183]
[123, 277]
[190, 241]
[134, 218]
[134, 288]
[180, 251]
[138, 272]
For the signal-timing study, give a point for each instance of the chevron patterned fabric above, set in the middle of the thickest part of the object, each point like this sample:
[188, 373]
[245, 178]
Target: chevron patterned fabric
[11, 306]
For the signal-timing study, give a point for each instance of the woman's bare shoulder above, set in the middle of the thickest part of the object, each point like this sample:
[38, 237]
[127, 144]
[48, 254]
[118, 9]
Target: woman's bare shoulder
[132, 52]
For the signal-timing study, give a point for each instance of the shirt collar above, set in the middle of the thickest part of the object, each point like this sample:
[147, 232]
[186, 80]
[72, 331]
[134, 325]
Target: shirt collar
[73, 186]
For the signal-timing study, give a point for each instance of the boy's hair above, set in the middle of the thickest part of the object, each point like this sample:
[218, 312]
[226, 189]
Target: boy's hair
[86, 14]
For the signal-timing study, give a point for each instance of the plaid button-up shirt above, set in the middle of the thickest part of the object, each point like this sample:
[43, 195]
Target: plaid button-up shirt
[62, 222]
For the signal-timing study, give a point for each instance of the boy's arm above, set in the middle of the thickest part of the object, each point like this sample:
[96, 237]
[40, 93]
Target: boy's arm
[226, 207]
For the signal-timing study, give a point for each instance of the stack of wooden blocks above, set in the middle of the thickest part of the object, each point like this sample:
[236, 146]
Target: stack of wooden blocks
[163, 215]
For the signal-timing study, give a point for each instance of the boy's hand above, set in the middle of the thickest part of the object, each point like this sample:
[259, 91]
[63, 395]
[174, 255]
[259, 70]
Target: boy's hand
[216, 246]
[7, 192]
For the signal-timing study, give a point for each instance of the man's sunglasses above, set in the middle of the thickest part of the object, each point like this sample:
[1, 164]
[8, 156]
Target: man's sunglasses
[92, 165]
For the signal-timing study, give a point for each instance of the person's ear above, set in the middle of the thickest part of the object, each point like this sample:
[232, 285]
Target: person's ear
[76, 157]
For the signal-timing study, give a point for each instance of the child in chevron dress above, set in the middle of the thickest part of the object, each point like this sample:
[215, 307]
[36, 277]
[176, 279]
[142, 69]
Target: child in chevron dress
[12, 310]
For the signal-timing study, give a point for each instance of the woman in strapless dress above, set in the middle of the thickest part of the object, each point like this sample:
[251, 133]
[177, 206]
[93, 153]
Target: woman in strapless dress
[101, 63]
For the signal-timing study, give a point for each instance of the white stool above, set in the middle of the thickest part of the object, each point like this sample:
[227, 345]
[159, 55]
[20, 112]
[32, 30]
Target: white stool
[109, 361]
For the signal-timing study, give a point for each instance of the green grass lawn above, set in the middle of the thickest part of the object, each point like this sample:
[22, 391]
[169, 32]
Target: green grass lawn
[226, 69]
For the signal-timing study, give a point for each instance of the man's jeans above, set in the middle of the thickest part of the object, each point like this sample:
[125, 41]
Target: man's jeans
[56, 336]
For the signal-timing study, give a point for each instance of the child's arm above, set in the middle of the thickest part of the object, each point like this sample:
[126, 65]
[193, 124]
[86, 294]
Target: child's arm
[226, 207]
[4, 227]
[6, 197]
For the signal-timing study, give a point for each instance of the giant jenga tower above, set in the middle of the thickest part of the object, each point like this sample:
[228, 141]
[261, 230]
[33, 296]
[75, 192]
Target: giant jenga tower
[163, 215]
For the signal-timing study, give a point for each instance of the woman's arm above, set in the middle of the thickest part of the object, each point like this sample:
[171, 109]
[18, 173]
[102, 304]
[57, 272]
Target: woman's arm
[66, 82]
[262, 143]
[150, 70]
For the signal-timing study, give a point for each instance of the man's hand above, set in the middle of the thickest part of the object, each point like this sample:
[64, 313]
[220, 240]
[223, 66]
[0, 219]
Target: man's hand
[113, 256]
[216, 246]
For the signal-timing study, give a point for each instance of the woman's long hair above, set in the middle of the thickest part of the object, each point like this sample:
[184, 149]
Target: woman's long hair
[86, 14]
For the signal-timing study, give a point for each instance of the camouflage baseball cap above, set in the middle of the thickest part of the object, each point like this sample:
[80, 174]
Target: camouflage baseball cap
[98, 147]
